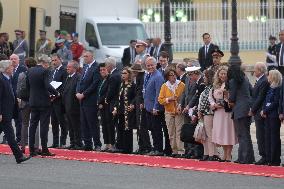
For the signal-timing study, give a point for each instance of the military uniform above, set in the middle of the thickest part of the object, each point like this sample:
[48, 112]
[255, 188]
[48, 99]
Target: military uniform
[4, 49]
[65, 55]
[21, 49]
[77, 50]
[43, 47]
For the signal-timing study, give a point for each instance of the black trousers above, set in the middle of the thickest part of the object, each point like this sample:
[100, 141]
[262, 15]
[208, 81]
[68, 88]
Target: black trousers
[260, 136]
[168, 148]
[108, 128]
[245, 151]
[154, 122]
[281, 69]
[6, 127]
[89, 126]
[41, 115]
[18, 126]
[73, 121]
[272, 140]
[142, 130]
[124, 137]
[58, 118]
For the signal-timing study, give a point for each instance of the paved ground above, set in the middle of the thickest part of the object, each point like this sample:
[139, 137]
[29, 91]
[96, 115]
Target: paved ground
[60, 174]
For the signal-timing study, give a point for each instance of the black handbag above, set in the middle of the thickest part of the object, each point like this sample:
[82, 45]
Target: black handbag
[187, 132]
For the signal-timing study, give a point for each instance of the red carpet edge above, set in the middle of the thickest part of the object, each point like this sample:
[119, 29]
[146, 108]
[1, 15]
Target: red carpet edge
[162, 162]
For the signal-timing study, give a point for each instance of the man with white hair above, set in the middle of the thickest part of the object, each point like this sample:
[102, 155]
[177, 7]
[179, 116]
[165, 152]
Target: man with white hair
[17, 70]
[112, 97]
[258, 96]
[7, 99]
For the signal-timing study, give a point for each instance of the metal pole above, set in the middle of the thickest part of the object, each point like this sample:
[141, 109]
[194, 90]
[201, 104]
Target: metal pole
[234, 59]
[167, 27]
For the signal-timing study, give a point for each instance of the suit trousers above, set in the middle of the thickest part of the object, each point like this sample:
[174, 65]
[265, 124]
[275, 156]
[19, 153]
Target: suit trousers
[154, 122]
[26, 112]
[143, 130]
[260, 136]
[73, 121]
[168, 148]
[124, 136]
[209, 147]
[6, 127]
[272, 140]
[89, 126]
[41, 115]
[174, 124]
[18, 125]
[245, 151]
[107, 122]
[58, 118]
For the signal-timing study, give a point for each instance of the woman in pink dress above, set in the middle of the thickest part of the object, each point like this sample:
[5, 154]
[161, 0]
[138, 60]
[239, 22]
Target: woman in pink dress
[223, 132]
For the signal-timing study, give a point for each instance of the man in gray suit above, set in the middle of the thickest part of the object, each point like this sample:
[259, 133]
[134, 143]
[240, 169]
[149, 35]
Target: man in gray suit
[240, 100]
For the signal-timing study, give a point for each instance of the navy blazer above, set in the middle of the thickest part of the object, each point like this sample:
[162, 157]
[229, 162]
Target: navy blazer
[271, 103]
[258, 96]
[113, 89]
[60, 76]
[152, 91]
[88, 85]
[7, 98]
[102, 91]
[15, 77]
[277, 51]
[38, 84]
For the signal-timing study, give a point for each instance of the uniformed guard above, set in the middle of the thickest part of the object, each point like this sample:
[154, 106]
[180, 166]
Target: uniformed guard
[63, 52]
[20, 46]
[77, 48]
[140, 48]
[43, 45]
[4, 49]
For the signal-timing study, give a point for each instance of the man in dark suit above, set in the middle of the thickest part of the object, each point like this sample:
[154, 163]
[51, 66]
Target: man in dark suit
[40, 89]
[149, 48]
[72, 106]
[158, 47]
[59, 74]
[87, 89]
[258, 96]
[17, 115]
[7, 99]
[180, 69]
[129, 54]
[112, 95]
[152, 85]
[204, 54]
[280, 52]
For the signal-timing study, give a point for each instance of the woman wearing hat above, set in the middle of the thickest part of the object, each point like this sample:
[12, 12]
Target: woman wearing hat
[169, 97]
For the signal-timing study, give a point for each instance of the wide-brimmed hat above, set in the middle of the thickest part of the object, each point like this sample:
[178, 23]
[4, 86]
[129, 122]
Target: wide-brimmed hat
[191, 69]
[141, 43]
[136, 68]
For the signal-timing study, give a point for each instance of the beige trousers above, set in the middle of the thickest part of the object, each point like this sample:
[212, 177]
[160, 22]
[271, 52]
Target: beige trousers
[209, 147]
[174, 124]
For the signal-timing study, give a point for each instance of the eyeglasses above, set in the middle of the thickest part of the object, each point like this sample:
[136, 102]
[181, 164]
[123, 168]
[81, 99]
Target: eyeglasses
[124, 73]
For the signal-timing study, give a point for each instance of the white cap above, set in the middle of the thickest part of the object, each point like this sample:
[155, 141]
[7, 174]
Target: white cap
[192, 68]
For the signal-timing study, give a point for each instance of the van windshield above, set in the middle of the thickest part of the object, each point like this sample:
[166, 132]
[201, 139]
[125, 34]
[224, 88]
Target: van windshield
[120, 34]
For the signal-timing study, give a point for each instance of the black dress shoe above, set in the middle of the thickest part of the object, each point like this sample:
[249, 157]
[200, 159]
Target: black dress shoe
[54, 146]
[262, 161]
[33, 153]
[47, 153]
[22, 159]
[88, 148]
[204, 158]
[273, 164]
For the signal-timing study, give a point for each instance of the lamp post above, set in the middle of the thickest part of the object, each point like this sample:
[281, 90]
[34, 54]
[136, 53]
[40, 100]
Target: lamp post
[167, 28]
[234, 58]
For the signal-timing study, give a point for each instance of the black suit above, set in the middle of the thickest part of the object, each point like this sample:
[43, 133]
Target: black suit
[126, 59]
[72, 109]
[17, 115]
[183, 78]
[88, 86]
[278, 54]
[258, 96]
[114, 82]
[206, 60]
[40, 90]
[57, 112]
[150, 50]
[7, 99]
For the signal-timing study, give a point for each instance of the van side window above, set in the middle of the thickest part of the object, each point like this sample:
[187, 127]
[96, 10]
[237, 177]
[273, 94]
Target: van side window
[90, 35]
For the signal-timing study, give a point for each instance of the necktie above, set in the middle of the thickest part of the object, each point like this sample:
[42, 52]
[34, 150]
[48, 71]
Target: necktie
[206, 49]
[100, 88]
[147, 79]
[155, 52]
[86, 70]
[55, 71]
[281, 63]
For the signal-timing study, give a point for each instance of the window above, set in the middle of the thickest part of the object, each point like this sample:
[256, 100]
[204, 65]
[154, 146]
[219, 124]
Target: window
[90, 35]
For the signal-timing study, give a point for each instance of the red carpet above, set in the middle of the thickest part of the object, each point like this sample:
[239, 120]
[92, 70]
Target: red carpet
[163, 162]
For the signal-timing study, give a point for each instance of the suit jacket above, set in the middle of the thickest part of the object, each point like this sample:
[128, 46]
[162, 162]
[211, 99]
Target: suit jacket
[59, 76]
[88, 85]
[38, 84]
[139, 88]
[200, 86]
[271, 102]
[152, 91]
[189, 92]
[126, 57]
[7, 98]
[206, 60]
[15, 77]
[113, 89]
[71, 103]
[277, 51]
[102, 92]
[158, 49]
[258, 96]
[150, 50]
[183, 78]
[240, 95]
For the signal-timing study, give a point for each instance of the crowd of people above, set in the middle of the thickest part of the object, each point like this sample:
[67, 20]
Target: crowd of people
[190, 108]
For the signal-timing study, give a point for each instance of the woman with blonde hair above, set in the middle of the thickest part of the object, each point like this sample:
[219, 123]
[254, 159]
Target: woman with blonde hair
[223, 132]
[272, 121]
